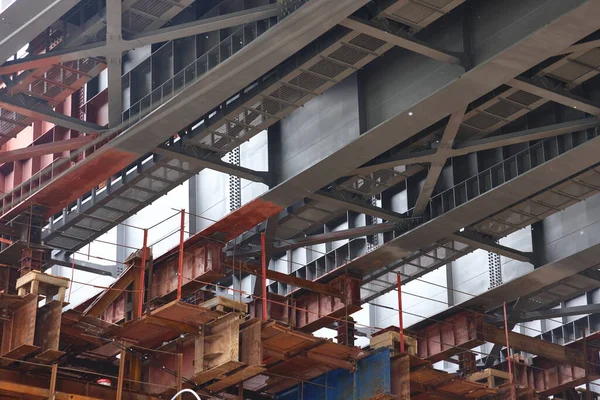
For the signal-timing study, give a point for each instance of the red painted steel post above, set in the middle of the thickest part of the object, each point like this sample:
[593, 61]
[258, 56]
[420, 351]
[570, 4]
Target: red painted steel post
[143, 273]
[513, 394]
[180, 265]
[400, 319]
[264, 275]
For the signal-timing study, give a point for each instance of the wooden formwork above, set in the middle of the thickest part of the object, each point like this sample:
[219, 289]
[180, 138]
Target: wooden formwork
[391, 340]
[492, 377]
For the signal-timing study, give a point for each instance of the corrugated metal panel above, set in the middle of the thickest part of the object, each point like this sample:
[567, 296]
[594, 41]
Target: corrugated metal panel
[372, 378]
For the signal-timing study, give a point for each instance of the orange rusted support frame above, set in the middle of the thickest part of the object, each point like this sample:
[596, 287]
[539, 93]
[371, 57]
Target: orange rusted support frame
[400, 319]
[180, 263]
[311, 311]
[513, 393]
[264, 275]
[143, 273]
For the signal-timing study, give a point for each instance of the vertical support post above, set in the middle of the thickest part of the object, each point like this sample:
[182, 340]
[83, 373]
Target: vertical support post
[179, 373]
[180, 265]
[142, 274]
[121, 375]
[400, 319]
[52, 392]
[513, 394]
[264, 274]
[588, 393]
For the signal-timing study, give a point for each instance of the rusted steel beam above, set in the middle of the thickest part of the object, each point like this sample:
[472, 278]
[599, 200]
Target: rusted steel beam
[542, 348]
[311, 311]
[551, 380]
[451, 336]
[292, 280]
[67, 388]
[466, 330]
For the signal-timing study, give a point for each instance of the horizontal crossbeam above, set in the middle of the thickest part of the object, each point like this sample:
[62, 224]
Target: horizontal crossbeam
[397, 39]
[25, 106]
[472, 146]
[202, 158]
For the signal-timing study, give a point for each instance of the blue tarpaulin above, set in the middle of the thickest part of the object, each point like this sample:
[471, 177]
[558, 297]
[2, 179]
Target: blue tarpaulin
[372, 377]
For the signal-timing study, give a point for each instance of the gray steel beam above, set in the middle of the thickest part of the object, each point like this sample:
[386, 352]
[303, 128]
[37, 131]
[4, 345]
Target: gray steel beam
[53, 57]
[292, 244]
[585, 46]
[481, 207]
[22, 21]
[537, 30]
[203, 26]
[114, 58]
[472, 146]
[559, 312]
[556, 95]
[202, 158]
[64, 260]
[400, 40]
[525, 136]
[472, 239]
[358, 206]
[244, 67]
[439, 160]
[23, 105]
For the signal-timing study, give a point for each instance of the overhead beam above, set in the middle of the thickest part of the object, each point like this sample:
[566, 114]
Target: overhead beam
[559, 312]
[23, 21]
[203, 158]
[541, 348]
[472, 240]
[524, 136]
[81, 265]
[472, 146]
[291, 280]
[585, 46]
[328, 237]
[396, 160]
[437, 165]
[203, 26]
[43, 149]
[398, 39]
[53, 57]
[556, 95]
[356, 206]
[23, 105]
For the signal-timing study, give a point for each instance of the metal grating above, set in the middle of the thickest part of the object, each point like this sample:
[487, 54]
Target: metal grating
[152, 7]
[570, 72]
[504, 109]
[308, 81]
[135, 22]
[348, 55]
[414, 13]
[524, 98]
[437, 3]
[482, 121]
[286, 93]
[327, 68]
[367, 42]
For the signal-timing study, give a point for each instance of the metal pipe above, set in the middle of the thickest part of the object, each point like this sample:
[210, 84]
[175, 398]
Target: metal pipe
[400, 319]
[513, 394]
[143, 274]
[180, 265]
[264, 275]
